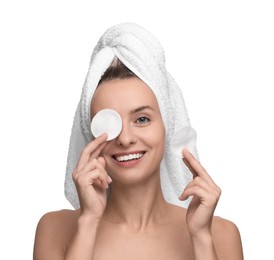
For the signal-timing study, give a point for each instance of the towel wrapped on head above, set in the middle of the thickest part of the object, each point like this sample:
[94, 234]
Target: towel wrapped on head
[140, 51]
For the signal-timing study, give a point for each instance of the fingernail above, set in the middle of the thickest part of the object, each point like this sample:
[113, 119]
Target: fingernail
[186, 149]
[109, 180]
[103, 134]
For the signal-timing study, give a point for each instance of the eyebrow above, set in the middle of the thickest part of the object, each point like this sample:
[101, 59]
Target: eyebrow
[139, 109]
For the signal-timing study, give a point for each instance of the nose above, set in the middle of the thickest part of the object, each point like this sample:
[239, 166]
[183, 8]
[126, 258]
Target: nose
[126, 137]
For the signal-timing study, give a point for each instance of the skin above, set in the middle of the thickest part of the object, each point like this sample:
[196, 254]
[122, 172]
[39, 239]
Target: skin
[135, 222]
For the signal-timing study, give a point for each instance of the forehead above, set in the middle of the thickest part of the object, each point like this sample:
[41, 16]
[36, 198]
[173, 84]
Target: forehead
[123, 94]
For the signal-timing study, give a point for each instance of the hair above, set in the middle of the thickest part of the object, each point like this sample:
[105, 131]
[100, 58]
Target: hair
[117, 70]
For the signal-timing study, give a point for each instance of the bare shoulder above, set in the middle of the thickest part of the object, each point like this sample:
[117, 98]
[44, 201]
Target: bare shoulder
[227, 239]
[224, 229]
[59, 218]
[53, 233]
[225, 233]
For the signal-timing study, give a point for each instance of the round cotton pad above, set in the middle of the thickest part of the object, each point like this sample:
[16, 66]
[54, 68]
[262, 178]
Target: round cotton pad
[184, 137]
[106, 121]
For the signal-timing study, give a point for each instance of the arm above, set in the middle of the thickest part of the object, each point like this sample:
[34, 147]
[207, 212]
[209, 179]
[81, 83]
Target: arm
[225, 242]
[70, 238]
[82, 244]
[200, 214]
[53, 232]
[227, 239]
[63, 235]
[204, 248]
[91, 182]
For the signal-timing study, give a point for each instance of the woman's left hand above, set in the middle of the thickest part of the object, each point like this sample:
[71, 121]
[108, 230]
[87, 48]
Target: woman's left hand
[205, 198]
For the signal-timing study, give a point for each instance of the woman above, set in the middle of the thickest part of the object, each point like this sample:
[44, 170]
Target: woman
[125, 190]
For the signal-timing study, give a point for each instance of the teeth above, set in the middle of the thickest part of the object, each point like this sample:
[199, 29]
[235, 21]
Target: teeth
[129, 157]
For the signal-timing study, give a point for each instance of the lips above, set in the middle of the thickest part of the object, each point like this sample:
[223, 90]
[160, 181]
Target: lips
[129, 156]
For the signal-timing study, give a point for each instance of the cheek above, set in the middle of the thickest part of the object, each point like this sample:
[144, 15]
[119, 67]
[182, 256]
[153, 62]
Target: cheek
[155, 135]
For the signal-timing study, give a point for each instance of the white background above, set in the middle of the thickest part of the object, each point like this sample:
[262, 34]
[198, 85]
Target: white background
[219, 52]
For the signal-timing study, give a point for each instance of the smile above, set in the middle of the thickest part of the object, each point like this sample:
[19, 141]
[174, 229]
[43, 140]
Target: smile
[128, 156]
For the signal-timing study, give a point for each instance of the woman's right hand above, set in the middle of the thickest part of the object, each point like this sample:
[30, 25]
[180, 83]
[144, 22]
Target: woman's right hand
[91, 179]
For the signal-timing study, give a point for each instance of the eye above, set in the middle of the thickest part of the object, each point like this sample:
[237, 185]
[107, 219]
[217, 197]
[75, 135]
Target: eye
[143, 120]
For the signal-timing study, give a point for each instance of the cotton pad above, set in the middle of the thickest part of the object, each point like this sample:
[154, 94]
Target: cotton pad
[184, 137]
[106, 121]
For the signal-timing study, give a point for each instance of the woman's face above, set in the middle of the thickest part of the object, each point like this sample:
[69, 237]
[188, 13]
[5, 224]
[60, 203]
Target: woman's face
[137, 152]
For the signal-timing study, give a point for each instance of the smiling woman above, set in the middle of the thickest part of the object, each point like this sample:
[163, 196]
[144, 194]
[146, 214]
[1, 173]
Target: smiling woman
[142, 135]
[128, 191]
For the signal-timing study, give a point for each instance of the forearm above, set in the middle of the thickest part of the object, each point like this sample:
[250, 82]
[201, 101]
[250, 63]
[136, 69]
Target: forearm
[82, 244]
[204, 248]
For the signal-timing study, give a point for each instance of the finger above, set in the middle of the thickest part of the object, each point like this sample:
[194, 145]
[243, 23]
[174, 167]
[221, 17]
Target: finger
[98, 150]
[101, 164]
[95, 146]
[93, 165]
[87, 179]
[102, 180]
[97, 143]
[90, 178]
[89, 166]
[191, 191]
[200, 182]
[208, 199]
[190, 168]
[195, 167]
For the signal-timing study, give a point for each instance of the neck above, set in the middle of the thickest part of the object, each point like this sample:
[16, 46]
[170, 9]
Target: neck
[138, 205]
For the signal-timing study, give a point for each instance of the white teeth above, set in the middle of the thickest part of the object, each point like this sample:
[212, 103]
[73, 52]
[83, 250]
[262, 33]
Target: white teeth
[129, 157]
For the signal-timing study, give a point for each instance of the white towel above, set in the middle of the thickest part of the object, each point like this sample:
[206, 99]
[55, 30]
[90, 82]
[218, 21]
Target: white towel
[142, 54]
